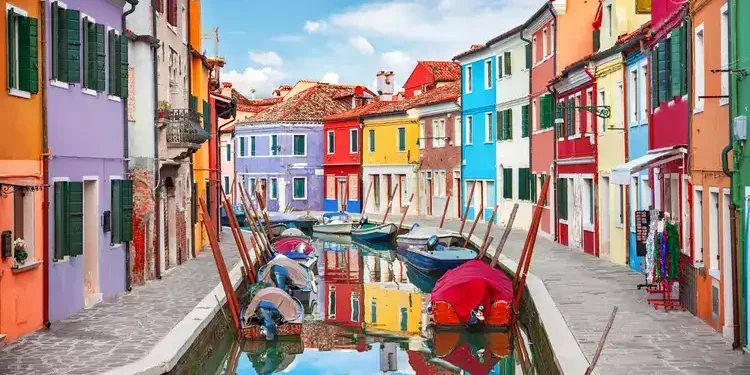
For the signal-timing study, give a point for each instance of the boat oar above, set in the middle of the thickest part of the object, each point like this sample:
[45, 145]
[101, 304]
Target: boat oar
[473, 226]
[256, 228]
[400, 223]
[485, 246]
[364, 203]
[445, 211]
[466, 211]
[600, 347]
[487, 233]
[264, 211]
[506, 233]
[390, 203]
[238, 238]
[256, 237]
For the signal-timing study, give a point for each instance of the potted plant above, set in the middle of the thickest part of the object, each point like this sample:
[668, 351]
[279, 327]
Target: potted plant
[163, 109]
[19, 251]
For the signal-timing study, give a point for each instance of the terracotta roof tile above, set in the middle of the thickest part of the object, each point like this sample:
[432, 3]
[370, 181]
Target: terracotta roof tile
[311, 105]
[357, 112]
[447, 92]
[443, 71]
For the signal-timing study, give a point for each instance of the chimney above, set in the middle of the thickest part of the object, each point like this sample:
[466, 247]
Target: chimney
[385, 84]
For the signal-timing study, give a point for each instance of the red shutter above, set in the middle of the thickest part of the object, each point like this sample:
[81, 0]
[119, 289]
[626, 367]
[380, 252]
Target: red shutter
[159, 7]
[172, 12]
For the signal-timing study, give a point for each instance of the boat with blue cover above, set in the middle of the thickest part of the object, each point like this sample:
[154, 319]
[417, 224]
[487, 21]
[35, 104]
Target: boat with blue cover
[436, 257]
[418, 236]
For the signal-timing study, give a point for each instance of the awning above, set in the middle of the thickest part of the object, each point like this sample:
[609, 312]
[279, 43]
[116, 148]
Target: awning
[621, 174]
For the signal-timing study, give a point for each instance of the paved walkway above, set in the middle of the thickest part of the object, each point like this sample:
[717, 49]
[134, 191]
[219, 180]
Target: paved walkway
[642, 340]
[113, 334]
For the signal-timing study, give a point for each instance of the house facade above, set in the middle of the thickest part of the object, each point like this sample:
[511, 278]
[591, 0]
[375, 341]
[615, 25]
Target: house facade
[22, 195]
[90, 195]
[344, 301]
[428, 75]
[540, 29]
[516, 183]
[478, 146]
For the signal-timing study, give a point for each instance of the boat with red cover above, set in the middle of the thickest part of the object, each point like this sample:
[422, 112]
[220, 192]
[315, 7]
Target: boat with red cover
[290, 244]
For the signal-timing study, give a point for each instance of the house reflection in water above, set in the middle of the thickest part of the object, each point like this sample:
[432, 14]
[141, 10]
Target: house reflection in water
[342, 286]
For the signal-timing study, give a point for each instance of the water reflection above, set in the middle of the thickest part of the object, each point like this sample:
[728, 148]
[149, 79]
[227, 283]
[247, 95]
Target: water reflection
[368, 317]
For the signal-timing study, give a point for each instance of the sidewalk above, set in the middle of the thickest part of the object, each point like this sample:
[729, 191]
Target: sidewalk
[586, 289]
[113, 334]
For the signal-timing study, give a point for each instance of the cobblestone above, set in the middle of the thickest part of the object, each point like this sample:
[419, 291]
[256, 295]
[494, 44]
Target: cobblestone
[113, 334]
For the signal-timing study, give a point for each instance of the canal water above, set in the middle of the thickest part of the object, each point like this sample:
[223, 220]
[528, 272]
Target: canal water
[368, 318]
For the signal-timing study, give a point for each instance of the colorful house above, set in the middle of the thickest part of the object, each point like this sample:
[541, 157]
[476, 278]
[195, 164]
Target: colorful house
[619, 24]
[478, 147]
[342, 284]
[343, 158]
[22, 196]
[90, 195]
[540, 29]
[709, 134]
[428, 75]
[439, 114]
[280, 150]
[513, 127]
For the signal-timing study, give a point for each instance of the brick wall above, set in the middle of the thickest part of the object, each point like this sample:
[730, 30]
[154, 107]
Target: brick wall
[141, 253]
[445, 158]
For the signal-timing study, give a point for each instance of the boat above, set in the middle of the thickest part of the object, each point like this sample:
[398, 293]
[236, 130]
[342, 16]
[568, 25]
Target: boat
[303, 223]
[333, 227]
[270, 314]
[418, 236]
[287, 275]
[293, 244]
[474, 294]
[239, 213]
[330, 216]
[475, 353]
[435, 257]
[272, 357]
[425, 282]
[373, 233]
[278, 228]
[334, 238]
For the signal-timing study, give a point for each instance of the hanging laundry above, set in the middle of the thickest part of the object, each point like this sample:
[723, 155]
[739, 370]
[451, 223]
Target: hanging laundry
[673, 251]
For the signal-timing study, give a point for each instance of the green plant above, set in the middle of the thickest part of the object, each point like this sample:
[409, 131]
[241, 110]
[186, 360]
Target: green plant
[19, 251]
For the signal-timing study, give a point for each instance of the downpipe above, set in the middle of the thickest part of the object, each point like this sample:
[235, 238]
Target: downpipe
[46, 264]
[126, 151]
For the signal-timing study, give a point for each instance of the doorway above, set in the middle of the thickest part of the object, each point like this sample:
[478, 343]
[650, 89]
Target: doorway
[342, 194]
[605, 215]
[726, 265]
[430, 190]
[92, 296]
[172, 227]
[262, 187]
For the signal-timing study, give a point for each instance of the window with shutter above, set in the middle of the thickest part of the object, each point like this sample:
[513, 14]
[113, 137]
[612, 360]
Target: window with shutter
[299, 145]
[663, 56]
[159, 6]
[570, 118]
[71, 39]
[172, 12]
[683, 59]
[274, 144]
[521, 177]
[654, 78]
[676, 42]
[126, 210]
[500, 67]
[507, 62]
[525, 121]
[252, 146]
[116, 196]
[75, 218]
[229, 152]
[371, 136]
[89, 53]
[12, 22]
[193, 103]
[532, 181]
[22, 53]
[112, 59]
[122, 64]
[61, 222]
[507, 183]
[562, 198]
[509, 125]
[528, 56]
[208, 196]
[101, 56]
[241, 140]
[401, 139]
[300, 188]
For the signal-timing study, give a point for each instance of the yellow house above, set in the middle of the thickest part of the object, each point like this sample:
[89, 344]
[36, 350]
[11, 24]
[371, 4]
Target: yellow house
[619, 18]
[390, 157]
[392, 310]
[199, 75]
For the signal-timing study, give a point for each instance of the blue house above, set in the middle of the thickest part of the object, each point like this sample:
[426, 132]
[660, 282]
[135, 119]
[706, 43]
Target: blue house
[478, 98]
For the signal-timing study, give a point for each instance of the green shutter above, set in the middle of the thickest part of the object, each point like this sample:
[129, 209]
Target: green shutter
[61, 213]
[533, 187]
[683, 58]
[99, 65]
[55, 56]
[126, 204]
[371, 134]
[194, 204]
[252, 146]
[544, 111]
[676, 62]
[242, 146]
[89, 52]
[208, 197]
[562, 198]
[541, 184]
[123, 41]
[72, 41]
[28, 55]
[206, 116]
[507, 62]
[500, 67]
[75, 218]
[663, 74]
[401, 139]
[654, 79]
[193, 103]
[528, 56]
[112, 61]
[596, 37]
[299, 188]
[525, 121]
[11, 51]
[229, 151]
[509, 125]
[116, 216]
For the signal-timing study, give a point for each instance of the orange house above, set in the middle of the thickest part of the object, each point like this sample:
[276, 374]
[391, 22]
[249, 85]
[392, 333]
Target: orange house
[711, 239]
[22, 288]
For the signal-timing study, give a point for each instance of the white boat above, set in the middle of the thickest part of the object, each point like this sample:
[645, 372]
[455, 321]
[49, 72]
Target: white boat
[334, 227]
[417, 237]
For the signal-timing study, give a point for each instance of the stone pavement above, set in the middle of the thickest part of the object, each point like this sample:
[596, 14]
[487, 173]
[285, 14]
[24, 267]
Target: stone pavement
[642, 340]
[113, 334]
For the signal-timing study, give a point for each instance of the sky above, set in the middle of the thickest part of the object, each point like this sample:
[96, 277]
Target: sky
[271, 42]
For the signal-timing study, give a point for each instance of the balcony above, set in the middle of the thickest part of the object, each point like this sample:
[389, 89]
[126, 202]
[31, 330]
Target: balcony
[183, 133]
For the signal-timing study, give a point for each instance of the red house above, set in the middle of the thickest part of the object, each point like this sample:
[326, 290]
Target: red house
[428, 75]
[342, 287]
[342, 159]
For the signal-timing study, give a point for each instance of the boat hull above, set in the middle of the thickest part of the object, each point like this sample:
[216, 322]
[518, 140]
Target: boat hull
[434, 261]
[252, 331]
[336, 228]
[444, 316]
[378, 233]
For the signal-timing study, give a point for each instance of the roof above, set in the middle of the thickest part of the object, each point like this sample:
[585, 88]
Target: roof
[358, 111]
[497, 39]
[448, 92]
[443, 71]
[310, 105]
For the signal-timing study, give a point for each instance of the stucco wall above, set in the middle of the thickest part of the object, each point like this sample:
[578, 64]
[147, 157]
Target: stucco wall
[173, 53]
[574, 32]
[440, 159]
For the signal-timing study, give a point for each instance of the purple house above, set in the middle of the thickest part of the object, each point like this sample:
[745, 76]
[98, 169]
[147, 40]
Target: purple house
[279, 152]
[90, 194]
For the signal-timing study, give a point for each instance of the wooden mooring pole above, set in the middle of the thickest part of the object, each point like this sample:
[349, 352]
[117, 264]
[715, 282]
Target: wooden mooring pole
[390, 203]
[486, 234]
[445, 211]
[506, 233]
[403, 216]
[466, 211]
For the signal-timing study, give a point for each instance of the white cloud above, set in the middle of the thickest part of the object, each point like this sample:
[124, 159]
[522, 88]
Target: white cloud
[313, 27]
[263, 80]
[330, 78]
[362, 45]
[269, 58]
[396, 60]
[287, 38]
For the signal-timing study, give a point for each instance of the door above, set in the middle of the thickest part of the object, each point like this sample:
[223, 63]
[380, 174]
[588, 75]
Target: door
[430, 193]
[605, 215]
[92, 296]
[342, 198]
[575, 224]
[713, 235]
[263, 188]
[172, 228]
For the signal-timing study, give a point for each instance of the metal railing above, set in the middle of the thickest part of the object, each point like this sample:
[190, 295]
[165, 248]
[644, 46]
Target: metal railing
[184, 128]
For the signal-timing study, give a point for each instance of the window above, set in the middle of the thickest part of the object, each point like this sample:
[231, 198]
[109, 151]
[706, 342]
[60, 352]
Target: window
[457, 130]
[332, 302]
[634, 196]
[508, 183]
[252, 146]
[724, 54]
[610, 21]
[274, 188]
[243, 149]
[275, 145]
[618, 108]
[633, 93]
[589, 186]
[524, 184]
[229, 152]
[183, 24]
[488, 127]
[401, 139]
[22, 52]
[253, 184]
[331, 142]
[68, 203]
[468, 82]
[207, 117]
[544, 43]
[353, 141]
[500, 67]
[300, 145]
[355, 306]
[438, 133]
[577, 114]
[551, 38]
[422, 138]
[505, 124]
[507, 59]
[118, 65]
[698, 223]
[65, 45]
[542, 178]
[469, 130]
[226, 185]
[93, 56]
[534, 49]
[644, 94]
[602, 101]
[487, 74]
[562, 198]
[534, 116]
[527, 49]
[172, 12]
[547, 113]
[371, 134]
[122, 211]
[525, 121]
[23, 220]
[490, 196]
[590, 114]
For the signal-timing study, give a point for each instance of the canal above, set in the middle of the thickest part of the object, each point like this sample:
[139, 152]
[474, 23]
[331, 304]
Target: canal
[368, 317]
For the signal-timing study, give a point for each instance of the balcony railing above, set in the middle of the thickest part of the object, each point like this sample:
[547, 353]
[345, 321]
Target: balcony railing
[184, 128]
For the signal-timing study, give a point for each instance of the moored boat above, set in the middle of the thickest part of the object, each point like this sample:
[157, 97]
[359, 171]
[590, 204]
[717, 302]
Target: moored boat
[293, 244]
[439, 260]
[333, 227]
[375, 232]
[303, 223]
[270, 314]
[418, 236]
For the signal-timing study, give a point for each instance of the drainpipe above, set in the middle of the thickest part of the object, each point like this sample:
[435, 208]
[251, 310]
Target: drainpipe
[46, 264]
[595, 182]
[531, 130]
[554, 102]
[157, 164]
[361, 168]
[126, 151]
[689, 48]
